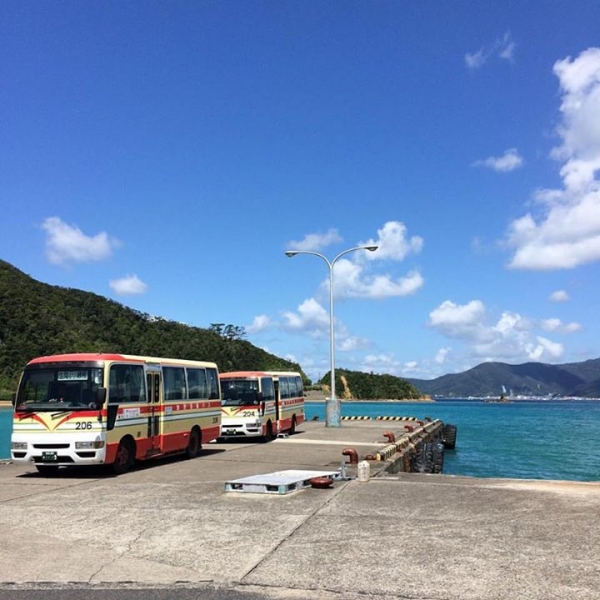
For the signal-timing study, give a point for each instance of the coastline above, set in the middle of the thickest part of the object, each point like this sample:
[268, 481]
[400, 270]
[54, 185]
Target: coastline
[315, 399]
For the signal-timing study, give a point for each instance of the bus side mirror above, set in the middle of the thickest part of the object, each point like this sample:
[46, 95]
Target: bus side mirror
[113, 409]
[100, 396]
[13, 398]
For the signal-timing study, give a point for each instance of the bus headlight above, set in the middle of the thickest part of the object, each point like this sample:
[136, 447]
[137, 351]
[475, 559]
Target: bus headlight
[89, 445]
[18, 445]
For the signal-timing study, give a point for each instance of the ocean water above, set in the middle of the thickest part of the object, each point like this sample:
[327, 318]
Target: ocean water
[522, 440]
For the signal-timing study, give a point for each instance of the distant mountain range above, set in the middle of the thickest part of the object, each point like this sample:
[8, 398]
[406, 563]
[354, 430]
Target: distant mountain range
[494, 379]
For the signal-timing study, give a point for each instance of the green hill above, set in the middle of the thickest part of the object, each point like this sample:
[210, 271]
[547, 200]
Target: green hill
[356, 385]
[38, 319]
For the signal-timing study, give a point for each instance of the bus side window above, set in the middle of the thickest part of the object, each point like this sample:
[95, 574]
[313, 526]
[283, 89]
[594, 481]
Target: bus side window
[197, 384]
[213, 384]
[127, 383]
[293, 392]
[268, 390]
[174, 382]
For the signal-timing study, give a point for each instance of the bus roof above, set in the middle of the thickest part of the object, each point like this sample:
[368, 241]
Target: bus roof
[100, 356]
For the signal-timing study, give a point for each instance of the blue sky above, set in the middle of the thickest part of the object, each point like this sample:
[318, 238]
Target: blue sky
[166, 154]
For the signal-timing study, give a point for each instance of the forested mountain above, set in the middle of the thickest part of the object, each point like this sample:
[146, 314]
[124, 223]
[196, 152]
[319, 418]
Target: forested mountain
[529, 379]
[38, 319]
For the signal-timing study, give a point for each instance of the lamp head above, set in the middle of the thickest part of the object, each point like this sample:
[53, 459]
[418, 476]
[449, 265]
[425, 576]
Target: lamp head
[290, 253]
[371, 248]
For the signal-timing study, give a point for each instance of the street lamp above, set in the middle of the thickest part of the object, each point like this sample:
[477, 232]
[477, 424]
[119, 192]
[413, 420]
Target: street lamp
[332, 408]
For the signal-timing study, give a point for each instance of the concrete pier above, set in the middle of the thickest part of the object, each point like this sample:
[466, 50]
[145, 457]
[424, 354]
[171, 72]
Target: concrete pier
[171, 524]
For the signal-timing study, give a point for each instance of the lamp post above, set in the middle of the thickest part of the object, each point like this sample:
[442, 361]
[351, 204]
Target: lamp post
[332, 407]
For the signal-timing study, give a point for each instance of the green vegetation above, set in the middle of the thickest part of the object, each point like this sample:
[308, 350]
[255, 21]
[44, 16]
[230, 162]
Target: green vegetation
[37, 319]
[355, 385]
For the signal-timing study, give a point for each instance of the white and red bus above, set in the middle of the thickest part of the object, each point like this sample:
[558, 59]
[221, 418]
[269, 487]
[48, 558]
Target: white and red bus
[261, 404]
[91, 409]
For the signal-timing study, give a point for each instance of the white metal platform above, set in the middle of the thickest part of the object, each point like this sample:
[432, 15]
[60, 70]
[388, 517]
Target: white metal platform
[279, 482]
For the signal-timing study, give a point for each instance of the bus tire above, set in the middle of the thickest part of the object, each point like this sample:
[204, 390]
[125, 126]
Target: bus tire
[47, 470]
[269, 433]
[125, 458]
[194, 447]
[293, 426]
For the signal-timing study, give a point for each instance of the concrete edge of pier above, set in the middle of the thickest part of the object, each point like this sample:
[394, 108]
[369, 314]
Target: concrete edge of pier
[170, 523]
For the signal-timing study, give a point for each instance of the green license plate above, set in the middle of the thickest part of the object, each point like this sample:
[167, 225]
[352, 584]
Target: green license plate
[49, 457]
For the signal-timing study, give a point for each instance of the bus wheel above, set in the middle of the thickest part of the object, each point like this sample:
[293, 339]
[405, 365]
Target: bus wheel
[125, 457]
[269, 434]
[194, 446]
[47, 470]
[293, 426]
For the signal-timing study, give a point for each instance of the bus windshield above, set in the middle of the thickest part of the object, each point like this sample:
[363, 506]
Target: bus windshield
[63, 387]
[239, 392]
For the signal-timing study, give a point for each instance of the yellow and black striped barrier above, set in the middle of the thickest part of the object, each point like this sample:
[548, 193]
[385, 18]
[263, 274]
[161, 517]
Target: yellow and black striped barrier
[382, 418]
[378, 418]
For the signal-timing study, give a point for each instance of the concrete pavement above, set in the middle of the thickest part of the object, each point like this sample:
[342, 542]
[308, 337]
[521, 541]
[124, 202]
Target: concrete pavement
[170, 523]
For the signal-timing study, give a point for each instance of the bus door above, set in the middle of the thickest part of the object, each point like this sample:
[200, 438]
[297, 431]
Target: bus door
[153, 384]
[277, 400]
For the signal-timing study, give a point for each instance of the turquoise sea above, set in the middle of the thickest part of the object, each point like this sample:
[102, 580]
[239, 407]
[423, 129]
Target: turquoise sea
[522, 440]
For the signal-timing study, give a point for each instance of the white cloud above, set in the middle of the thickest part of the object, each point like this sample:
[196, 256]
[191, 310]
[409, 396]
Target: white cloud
[351, 281]
[503, 48]
[313, 320]
[442, 355]
[456, 320]
[130, 285]
[509, 161]
[544, 350]
[349, 343]
[354, 275]
[559, 296]
[507, 48]
[316, 241]
[560, 327]
[381, 363]
[67, 244]
[476, 59]
[311, 316]
[565, 231]
[393, 242]
[511, 338]
[260, 323]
